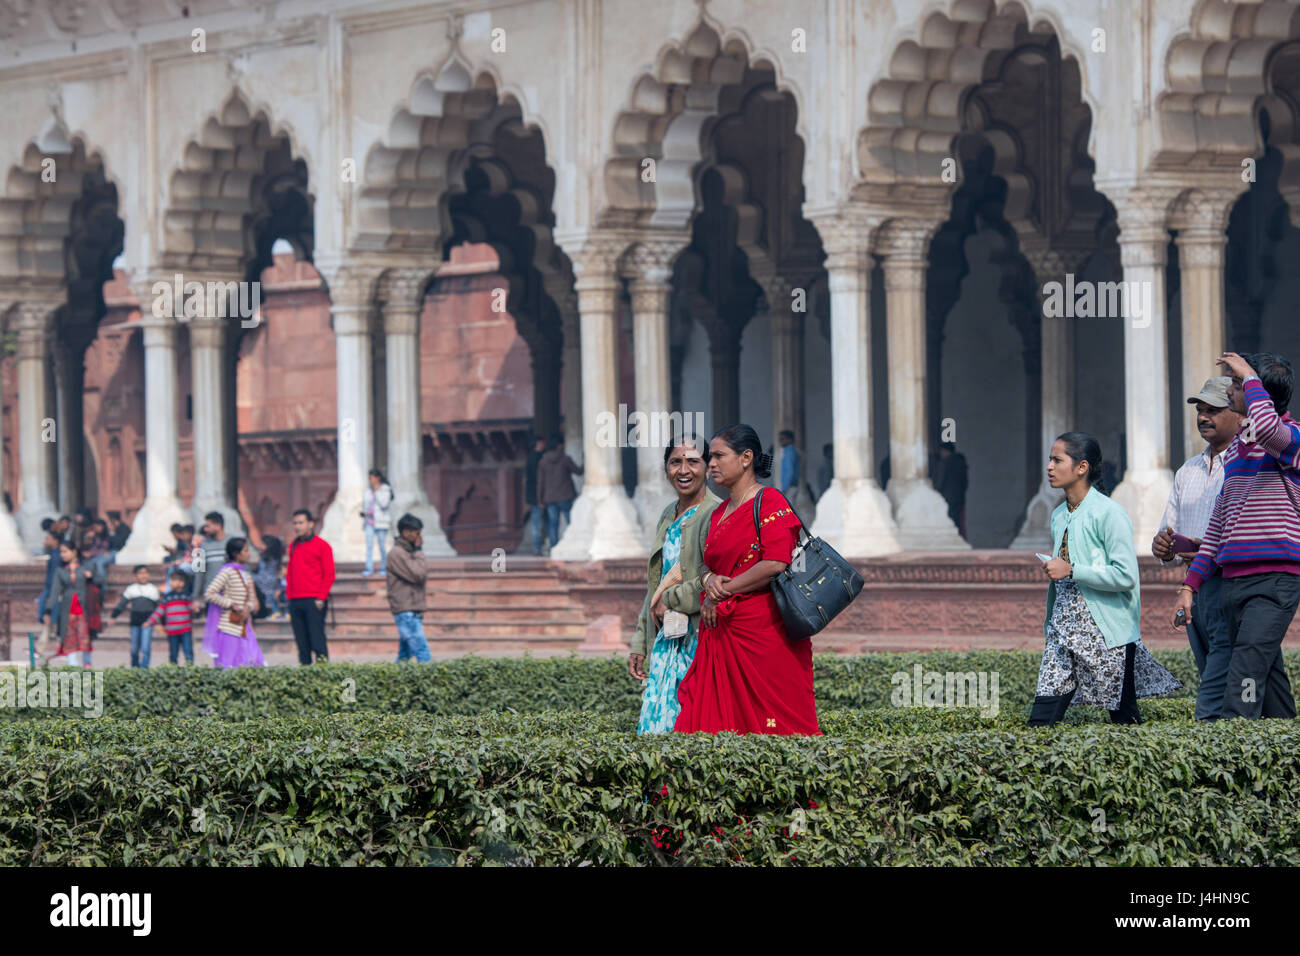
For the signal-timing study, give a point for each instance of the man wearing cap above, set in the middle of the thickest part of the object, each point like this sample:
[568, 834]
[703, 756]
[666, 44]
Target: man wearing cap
[1196, 486]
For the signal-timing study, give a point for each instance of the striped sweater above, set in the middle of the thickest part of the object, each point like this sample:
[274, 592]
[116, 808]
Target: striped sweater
[1255, 526]
[173, 612]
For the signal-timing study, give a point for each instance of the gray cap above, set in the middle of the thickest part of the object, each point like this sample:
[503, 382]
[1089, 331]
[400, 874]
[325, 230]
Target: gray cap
[1213, 392]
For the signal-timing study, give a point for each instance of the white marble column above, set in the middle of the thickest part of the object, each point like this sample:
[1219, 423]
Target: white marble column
[1201, 242]
[648, 267]
[1143, 241]
[12, 548]
[919, 510]
[854, 514]
[37, 429]
[1056, 391]
[352, 293]
[212, 491]
[403, 293]
[604, 522]
[151, 527]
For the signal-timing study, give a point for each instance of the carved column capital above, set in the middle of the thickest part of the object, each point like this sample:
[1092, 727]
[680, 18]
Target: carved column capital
[595, 257]
[1143, 217]
[402, 292]
[846, 233]
[650, 260]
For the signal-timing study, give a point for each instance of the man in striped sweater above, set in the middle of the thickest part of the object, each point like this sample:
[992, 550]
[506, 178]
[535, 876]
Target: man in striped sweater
[1254, 537]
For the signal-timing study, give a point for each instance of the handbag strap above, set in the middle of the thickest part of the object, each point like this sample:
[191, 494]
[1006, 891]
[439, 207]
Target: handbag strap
[758, 535]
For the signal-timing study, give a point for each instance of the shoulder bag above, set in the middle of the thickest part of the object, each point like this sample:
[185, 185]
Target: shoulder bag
[816, 586]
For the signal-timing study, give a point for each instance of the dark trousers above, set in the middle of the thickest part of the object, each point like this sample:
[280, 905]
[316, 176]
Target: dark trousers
[308, 629]
[1211, 642]
[175, 642]
[1258, 609]
[1051, 710]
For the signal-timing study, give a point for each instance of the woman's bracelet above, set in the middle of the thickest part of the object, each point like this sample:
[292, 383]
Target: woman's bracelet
[1186, 588]
[705, 581]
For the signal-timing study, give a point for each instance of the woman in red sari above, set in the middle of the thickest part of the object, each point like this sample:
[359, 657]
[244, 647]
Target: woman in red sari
[747, 676]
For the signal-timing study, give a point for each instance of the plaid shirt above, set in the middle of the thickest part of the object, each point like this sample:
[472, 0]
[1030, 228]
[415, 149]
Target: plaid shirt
[1191, 503]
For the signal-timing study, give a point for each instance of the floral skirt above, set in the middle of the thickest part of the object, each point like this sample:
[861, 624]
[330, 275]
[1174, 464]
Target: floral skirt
[667, 665]
[1077, 659]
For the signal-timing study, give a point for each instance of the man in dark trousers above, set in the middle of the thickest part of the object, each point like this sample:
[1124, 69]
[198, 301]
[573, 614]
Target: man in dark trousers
[536, 513]
[555, 488]
[308, 579]
[950, 482]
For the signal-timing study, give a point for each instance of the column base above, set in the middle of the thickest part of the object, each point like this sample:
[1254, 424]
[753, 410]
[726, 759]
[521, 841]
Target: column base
[855, 517]
[1035, 532]
[341, 526]
[603, 524]
[650, 504]
[13, 550]
[1144, 495]
[29, 520]
[436, 544]
[234, 522]
[922, 517]
[151, 531]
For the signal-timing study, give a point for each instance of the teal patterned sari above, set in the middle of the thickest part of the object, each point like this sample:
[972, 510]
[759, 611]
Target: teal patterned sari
[669, 657]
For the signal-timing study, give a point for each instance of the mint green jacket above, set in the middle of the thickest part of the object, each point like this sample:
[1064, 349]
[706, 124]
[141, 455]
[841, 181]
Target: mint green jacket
[684, 597]
[1105, 565]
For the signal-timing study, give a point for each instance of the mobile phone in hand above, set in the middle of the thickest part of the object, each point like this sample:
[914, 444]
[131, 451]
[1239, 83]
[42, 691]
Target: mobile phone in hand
[1184, 545]
[1043, 557]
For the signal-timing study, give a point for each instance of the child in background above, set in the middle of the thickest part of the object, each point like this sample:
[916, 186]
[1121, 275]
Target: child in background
[142, 597]
[267, 575]
[173, 612]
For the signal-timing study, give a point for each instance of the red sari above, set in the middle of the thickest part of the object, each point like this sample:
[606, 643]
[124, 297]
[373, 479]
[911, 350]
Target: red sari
[747, 676]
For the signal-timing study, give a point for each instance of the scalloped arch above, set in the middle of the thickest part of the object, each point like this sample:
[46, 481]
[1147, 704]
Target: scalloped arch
[669, 111]
[915, 111]
[1218, 75]
[35, 215]
[210, 193]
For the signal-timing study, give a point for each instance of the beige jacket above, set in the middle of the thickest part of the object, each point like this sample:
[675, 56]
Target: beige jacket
[232, 588]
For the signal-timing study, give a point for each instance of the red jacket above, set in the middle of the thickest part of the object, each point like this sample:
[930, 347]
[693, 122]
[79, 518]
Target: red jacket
[310, 573]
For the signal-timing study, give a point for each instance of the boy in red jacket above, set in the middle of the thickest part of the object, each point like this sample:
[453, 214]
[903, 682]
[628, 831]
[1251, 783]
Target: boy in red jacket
[308, 580]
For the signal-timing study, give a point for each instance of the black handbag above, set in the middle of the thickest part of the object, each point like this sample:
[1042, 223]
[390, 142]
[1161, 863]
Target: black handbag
[816, 586]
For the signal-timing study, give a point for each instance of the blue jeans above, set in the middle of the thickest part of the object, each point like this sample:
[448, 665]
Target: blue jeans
[553, 511]
[176, 641]
[1211, 641]
[141, 638]
[376, 536]
[410, 637]
[538, 517]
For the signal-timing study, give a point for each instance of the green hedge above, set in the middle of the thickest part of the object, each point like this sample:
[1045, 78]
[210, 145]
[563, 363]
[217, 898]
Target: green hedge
[486, 685]
[577, 788]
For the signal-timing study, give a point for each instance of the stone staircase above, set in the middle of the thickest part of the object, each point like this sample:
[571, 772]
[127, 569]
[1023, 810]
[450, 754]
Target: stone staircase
[470, 608]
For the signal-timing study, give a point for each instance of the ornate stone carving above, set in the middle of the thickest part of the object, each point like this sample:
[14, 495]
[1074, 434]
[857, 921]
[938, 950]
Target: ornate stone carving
[1143, 216]
[650, 261]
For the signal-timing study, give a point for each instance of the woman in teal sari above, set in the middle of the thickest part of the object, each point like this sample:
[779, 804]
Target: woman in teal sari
[669, 619]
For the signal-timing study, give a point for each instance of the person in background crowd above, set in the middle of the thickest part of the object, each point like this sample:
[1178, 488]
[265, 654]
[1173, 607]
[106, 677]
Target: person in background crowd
[1093, 650]
[173, 613]
[951, 481]
[182, 554]
[228, 635]
[1254, 537]
[536, 513]
[672, 584]
[407, 574]
[95, 546]
[70, 601]
[267, 575]
[119, 532]
[826, 470]
[142, 597]
[1191, 502]
[52, 565]
[555, 485]
[747, 675]
[791, 463]
[374, 513]
[212, 553]
[308, 580]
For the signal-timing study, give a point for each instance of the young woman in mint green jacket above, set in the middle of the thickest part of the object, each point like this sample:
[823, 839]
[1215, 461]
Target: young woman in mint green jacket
[1093, 651]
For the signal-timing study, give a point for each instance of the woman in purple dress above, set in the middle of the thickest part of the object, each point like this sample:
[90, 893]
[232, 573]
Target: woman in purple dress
[228, 637]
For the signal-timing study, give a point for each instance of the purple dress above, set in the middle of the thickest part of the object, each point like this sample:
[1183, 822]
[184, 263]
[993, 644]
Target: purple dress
[226, 649]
